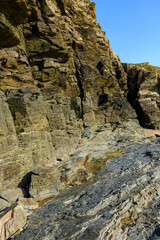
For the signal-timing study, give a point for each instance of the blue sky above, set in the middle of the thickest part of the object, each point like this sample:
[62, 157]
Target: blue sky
[133, 28]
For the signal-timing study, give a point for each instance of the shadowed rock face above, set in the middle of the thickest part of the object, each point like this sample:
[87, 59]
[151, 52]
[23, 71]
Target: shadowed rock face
[122, 202]
[143, 93]
[24, 10]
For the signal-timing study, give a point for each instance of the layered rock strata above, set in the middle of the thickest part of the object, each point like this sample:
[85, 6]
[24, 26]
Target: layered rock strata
[143, 93]
[67, 106]
[121, 202]
[11, 221]
[58, 74]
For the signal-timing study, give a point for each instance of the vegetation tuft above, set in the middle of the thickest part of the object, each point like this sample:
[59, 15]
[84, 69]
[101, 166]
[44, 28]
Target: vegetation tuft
[95, 165]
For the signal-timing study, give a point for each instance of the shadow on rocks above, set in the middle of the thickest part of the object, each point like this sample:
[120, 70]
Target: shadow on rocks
[25, 184]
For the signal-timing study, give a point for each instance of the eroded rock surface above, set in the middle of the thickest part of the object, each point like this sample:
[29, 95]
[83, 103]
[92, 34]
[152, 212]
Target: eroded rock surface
[121, 202]
[58, 75]
[11, 221]
[143, 92]
[26, 141]
[66, 103]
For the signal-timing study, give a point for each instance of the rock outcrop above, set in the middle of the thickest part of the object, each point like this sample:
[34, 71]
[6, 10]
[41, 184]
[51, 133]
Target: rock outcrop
[68, 105]
[121, 202]
[11, 221]
[143, 93]
[58, 74]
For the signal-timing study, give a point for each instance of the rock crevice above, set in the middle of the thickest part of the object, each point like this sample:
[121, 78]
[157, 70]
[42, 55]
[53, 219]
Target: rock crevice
[65, 112]
[143, 92]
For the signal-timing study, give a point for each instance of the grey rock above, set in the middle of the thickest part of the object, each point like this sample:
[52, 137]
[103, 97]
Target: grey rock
[121, 202]
[110, 137]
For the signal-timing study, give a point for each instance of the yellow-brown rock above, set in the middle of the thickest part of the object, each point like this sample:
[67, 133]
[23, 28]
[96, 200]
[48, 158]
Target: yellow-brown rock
[64, 92]
[143, 85]
[58, 75]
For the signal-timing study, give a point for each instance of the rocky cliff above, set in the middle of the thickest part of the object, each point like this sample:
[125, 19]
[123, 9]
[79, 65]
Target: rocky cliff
[143, 92]
[58, 74]
[67, 103]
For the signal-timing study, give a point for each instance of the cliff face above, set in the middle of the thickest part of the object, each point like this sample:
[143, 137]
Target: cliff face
[68, 105]
[57, 74]
[143, 93]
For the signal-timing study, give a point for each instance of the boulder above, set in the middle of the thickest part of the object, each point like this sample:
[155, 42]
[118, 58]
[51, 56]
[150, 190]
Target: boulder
[19, 219]
[11, 195]
[12, 220]
[45, 183]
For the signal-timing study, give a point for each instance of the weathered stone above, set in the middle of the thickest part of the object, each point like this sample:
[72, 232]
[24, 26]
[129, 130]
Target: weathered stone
[65, 93]
[143, 83]
[25, 141]
[97, 140]
[31, 124]
[44, 183]
[28, 203]
[11, 195]
[122, 202]
[24, 10]
[80, 61]
[5, 217]
[11, 220]
[19, 220]
[65, 126]
[8, 140]
[9, 34]
[73, 175]
[58, 56]
[4, 204]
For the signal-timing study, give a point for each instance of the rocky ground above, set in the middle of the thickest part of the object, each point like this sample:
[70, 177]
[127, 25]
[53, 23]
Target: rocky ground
[120, 202]
[98, 146]
[70, 117]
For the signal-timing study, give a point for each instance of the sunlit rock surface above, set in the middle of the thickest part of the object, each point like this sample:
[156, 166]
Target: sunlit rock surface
[121, 202]
[58, 75]
[67, 107]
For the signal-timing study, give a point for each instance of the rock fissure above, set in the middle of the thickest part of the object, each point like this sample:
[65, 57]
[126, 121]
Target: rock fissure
[65, 124]
[132, 97]
[79, 77]
[143, 95]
